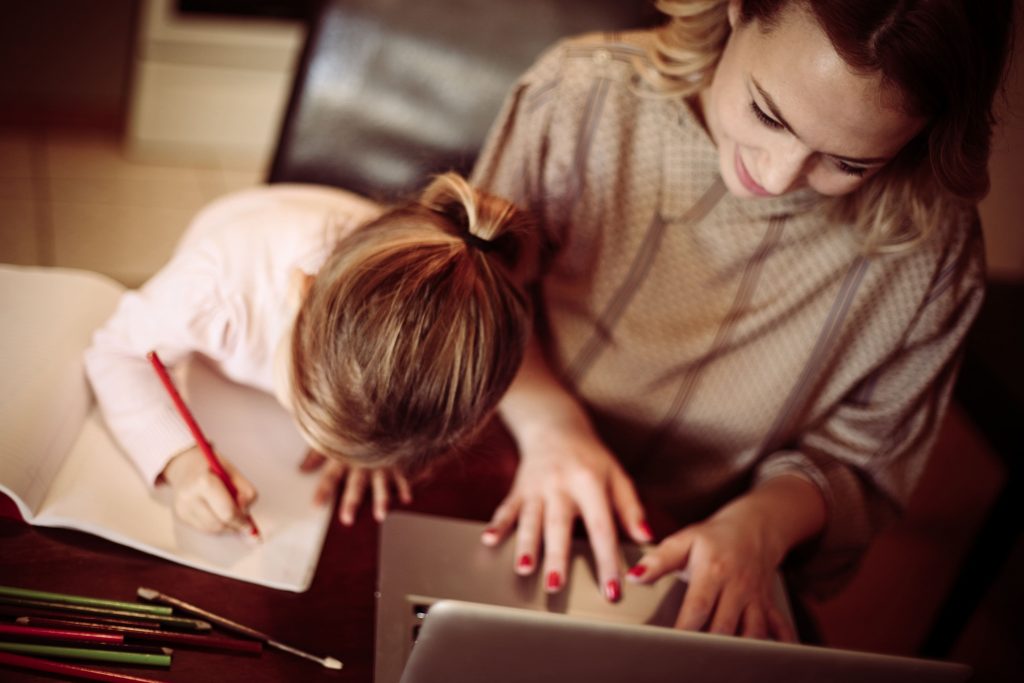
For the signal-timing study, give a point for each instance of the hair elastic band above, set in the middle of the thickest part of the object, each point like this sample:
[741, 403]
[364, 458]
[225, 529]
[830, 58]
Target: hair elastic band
[477, 242]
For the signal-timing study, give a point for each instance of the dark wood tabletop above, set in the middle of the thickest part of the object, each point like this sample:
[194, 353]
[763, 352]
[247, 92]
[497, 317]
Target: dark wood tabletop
[334, 617]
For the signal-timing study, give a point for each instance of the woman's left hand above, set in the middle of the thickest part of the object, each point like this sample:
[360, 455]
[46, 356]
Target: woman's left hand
[732, 559]
[731, 569]
[381, 481]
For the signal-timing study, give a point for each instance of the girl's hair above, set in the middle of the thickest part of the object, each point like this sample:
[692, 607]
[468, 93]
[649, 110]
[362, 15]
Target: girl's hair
[414, 328]
[945, 57]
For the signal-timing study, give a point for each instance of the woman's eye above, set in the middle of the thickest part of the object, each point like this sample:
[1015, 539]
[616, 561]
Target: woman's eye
[764, 118]
[857, 171]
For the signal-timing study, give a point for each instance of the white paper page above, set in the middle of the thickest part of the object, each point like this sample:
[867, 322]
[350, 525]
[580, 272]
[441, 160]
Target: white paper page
[47, 316]
[99, 491]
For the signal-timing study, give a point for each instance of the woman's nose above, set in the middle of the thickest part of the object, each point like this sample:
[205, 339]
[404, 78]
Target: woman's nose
[784, 167]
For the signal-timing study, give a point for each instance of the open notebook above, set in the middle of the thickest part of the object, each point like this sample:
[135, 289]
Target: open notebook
[62, 468]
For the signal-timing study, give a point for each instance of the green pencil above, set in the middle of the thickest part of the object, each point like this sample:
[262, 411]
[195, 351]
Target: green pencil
[15, 592]
[173, 622]
[87, 654]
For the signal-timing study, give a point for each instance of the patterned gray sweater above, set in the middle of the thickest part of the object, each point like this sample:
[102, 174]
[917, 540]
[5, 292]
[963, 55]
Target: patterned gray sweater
[718, 341]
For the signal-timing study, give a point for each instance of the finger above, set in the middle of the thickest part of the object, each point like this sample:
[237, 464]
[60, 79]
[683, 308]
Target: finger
[670, 555]
[779, 627]
[728, 609]
[246, 492]
[220, 502]
[597, 517]
[528, 536]
[381, 495]
[504, 517]
[312, 461]
[628, 508]
[355, 484]
[699, 601]
[327, 486]
[193, 511]
[753, 623]
[404, 488]
[558, 519]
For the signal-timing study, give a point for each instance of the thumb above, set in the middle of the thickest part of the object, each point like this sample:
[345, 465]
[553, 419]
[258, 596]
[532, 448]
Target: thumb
[670, 555]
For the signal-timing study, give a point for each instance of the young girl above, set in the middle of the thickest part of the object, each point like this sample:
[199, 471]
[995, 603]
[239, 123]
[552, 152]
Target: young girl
[764, 257]
[390, 335]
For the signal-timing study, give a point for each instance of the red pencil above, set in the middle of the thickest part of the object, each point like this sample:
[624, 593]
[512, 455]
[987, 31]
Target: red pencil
[62, 634]
[197, 434]
[253, 647]
[68, 670]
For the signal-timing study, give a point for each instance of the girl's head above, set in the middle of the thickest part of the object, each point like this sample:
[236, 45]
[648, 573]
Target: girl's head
[413, 329]
[885, 103]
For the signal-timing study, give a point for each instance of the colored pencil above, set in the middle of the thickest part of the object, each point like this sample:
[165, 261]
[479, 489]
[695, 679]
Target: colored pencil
[62, 634]
[22, 611]
[174, 622]
[16, 592]
[211, 458]
[68, 670]
[253, 647]
[157, 596]
[91, 654]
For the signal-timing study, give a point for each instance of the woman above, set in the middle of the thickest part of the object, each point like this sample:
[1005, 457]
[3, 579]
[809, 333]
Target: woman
[764, 257]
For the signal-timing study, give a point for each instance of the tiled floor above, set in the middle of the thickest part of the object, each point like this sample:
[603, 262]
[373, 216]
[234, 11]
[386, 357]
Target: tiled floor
[73, 199]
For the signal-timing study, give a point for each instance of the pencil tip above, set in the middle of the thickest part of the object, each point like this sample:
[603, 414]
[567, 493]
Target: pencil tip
[331, 663]
[147, 593]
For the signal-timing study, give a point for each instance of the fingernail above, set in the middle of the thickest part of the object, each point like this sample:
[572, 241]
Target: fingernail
[489, 536]
[525, 562]
[612, 590]
[645, 529]
[554, 581]
[637, 570]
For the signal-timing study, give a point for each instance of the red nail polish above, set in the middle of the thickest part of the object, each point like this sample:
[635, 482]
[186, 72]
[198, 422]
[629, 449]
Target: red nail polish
[646, 529]
[554, 581]
[612, 591]
[490, 531]
[637, 570]
[525, 562]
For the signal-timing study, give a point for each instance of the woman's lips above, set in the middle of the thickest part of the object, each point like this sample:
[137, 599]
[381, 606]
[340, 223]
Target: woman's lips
[746, 180]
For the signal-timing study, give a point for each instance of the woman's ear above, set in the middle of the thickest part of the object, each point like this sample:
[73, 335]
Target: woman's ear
[734, 13]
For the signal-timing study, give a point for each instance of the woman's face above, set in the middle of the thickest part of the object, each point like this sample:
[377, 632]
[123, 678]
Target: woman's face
[786, 112]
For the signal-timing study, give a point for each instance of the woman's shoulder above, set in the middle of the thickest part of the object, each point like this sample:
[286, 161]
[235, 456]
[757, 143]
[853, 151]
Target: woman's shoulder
[594, 55]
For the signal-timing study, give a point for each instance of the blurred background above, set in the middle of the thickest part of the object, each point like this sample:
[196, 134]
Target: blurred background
[119, 119]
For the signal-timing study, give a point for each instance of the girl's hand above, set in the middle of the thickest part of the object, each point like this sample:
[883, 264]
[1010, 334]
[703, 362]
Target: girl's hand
[733, 556]
[564, 474]
[380, 480]
[200, 498]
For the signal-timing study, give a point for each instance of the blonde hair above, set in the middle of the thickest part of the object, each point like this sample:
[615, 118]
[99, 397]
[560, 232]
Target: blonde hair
[945, 57]
[414, 328]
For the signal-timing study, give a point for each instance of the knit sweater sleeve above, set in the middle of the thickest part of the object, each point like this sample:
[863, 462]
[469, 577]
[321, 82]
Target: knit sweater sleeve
[182, 310]
[868, 454]
[521, 159]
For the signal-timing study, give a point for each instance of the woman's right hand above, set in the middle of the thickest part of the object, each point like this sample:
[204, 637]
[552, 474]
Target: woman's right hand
[201, 500]
[565, 472]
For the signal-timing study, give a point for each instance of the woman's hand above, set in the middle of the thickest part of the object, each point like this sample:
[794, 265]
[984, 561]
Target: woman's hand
[201, 499]
[733, 556]
[562, 474]
[380, 480]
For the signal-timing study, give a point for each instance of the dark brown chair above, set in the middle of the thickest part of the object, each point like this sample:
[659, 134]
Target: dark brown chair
[390, 91]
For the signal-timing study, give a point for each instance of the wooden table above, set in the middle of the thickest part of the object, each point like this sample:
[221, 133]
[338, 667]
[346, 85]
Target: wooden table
[334, 617]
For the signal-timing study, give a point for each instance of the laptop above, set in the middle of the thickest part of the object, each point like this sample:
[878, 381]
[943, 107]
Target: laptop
[451, 610]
